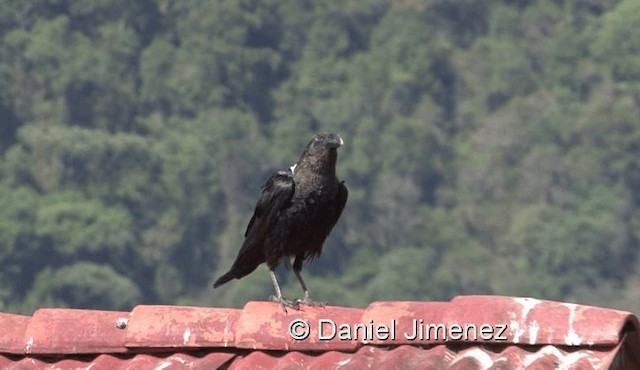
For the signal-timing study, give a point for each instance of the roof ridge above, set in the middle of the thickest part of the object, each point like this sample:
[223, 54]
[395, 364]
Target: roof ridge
[265, 326]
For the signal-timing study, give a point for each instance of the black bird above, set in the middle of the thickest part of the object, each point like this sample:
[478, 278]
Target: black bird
[294, 216]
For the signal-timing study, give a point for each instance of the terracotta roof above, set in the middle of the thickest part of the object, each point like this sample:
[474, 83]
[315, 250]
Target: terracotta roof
[469, 332]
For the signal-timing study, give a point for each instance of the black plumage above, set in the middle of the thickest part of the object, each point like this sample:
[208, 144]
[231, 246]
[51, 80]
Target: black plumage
[294, 216]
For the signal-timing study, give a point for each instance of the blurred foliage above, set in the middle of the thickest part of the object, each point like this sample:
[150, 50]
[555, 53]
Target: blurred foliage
[491, 147]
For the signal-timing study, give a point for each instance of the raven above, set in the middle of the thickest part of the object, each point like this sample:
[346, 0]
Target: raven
[294, 216]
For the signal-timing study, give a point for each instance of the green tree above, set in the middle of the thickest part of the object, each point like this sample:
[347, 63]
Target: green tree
[85, 285]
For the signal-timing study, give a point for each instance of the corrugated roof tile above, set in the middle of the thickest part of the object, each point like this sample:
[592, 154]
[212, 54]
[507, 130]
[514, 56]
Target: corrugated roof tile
[342, 360]
[166, 361]
[509, 356]
[24, 363]
[256, 360]
[411, 357]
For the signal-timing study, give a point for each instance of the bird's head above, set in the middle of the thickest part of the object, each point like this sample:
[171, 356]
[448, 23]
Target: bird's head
[326, 140]
[320, 154]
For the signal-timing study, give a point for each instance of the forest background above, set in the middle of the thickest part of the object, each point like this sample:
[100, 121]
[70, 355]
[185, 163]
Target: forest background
[492, 147]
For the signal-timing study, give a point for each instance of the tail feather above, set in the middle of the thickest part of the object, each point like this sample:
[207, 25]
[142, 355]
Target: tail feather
[249, 258]
[224, 279]
[238, 270]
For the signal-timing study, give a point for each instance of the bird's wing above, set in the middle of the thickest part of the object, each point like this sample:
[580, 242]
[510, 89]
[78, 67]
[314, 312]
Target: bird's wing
[341, 200]
[276, 196]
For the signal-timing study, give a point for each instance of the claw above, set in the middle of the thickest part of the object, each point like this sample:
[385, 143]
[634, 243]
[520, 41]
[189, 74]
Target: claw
[307, 300]
[284, 303]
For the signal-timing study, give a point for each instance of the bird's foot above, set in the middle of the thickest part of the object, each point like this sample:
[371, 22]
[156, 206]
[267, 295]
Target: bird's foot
[308, 302]
[286, 303]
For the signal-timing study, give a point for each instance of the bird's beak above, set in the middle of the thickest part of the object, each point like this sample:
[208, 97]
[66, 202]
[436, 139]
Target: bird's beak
[335, 140]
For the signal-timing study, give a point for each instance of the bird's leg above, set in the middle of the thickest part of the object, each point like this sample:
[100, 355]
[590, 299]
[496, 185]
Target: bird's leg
[278, 298]
[306, 300]
[297, 266]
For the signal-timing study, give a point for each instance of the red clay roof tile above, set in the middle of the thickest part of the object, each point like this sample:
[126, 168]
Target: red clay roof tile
[404, 317]
[21, 363]
[265, 326]
[13, 329]
[70, 331]
[539, 335]
[180, 327]
[537, 322]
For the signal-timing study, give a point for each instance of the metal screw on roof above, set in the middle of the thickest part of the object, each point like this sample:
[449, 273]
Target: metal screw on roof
[122, 323]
